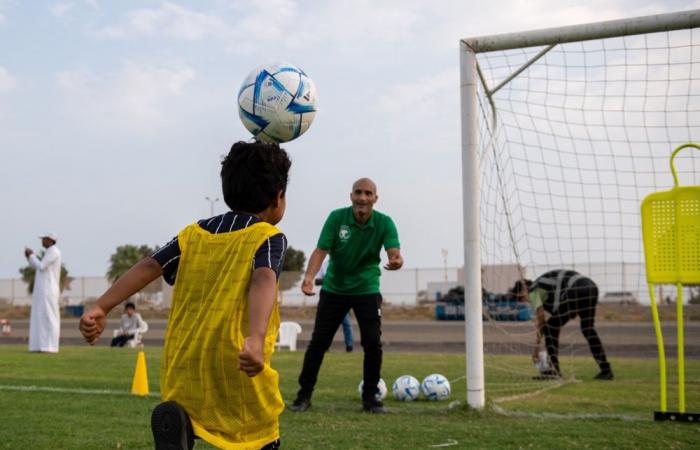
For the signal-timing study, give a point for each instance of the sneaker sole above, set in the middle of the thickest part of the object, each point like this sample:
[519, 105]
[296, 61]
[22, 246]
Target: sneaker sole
[299, 408]
[170, 427]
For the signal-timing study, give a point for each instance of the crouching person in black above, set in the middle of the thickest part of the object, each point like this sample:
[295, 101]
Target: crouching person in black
[562, 295]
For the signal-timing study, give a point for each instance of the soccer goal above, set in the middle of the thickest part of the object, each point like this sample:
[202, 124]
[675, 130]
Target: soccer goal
[564, 132]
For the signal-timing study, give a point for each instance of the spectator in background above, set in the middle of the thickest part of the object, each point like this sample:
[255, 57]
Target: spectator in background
[45, 318]
[131, 324]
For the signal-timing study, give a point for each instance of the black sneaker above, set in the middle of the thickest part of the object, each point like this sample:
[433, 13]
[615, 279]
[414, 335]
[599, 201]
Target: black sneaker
[348, 348]
[300, 405]
[373, 407]
[548, 375]
[171, 427]
[604, 375]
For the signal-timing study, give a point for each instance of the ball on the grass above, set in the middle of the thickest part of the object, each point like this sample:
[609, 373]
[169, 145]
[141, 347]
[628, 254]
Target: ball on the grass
[406, 388]
[277, 102]
[435, 387]
[381, 395]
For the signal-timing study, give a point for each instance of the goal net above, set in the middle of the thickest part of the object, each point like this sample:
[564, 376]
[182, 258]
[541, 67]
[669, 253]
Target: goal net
[572, 135]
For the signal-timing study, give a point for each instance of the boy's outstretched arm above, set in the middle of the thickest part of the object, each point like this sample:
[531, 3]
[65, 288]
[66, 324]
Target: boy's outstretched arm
[93, 322]
[261, 299]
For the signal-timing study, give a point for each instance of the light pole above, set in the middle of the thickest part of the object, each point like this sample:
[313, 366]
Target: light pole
[444, 261]
[211, 204]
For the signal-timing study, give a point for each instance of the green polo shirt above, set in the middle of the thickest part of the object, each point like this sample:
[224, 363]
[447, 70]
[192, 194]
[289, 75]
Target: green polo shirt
[354, 251]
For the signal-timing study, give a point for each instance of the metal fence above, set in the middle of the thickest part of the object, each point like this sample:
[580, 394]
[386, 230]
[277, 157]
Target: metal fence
[14, 291]
[408, 286]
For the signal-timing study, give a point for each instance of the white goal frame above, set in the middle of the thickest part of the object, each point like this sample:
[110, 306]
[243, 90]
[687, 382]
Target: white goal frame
[470, 77]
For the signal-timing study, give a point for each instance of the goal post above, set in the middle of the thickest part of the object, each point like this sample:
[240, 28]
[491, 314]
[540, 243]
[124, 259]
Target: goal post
[476, 95]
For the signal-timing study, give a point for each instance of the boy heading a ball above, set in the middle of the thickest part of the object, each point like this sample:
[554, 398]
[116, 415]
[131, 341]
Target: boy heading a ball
[216, 381]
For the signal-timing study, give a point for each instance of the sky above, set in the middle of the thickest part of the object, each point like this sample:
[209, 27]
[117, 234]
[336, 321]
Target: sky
[114, 115]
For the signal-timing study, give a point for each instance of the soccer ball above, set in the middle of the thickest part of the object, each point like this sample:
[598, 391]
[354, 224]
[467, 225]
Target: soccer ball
[406, 388]
[381, 395]
[435, 387]
[277, 102]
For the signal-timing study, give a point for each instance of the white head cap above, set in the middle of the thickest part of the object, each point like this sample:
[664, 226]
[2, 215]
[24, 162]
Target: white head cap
[49, 235]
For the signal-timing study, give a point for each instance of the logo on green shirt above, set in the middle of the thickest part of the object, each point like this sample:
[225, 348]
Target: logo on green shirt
[344, 233]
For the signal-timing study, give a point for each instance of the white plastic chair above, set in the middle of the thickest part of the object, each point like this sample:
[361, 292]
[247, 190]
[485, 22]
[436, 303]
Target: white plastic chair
[288, 335]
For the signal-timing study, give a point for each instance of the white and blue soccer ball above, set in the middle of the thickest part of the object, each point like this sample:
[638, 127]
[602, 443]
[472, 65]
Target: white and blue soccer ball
[406, 388]
[435, 387]
[381, 395]
[277, 102]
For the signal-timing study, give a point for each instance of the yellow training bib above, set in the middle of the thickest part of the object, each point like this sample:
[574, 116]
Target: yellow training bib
[207, 325]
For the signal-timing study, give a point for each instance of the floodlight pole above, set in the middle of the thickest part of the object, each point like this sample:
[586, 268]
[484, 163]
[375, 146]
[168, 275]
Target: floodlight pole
[473, 326]
[211, 204]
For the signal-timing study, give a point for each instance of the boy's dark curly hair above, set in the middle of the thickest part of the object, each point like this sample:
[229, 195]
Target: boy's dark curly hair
[252, 174]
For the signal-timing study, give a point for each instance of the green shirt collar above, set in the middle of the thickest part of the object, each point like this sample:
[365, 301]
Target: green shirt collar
[369, 224]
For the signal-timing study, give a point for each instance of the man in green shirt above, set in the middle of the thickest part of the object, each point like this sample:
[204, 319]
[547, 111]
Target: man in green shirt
[353, 237]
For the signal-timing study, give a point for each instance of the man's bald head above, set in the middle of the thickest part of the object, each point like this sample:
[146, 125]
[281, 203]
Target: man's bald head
[363, 198]
[365, 183]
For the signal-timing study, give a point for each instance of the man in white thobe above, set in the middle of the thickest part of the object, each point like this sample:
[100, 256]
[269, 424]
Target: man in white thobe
[45, 319]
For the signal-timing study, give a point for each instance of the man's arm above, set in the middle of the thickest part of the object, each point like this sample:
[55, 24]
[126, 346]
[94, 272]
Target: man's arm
[41, 264]
[395, 259]
[315, 261]
[261, 299]
[93, 322]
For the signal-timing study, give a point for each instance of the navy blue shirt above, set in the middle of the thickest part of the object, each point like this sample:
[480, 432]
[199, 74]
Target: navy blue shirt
[270, 254]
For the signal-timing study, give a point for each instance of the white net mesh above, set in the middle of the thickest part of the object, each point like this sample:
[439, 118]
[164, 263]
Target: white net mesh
[569, 148]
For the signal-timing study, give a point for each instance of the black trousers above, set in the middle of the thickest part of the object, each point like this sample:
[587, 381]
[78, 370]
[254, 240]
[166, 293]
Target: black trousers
[121, 340]
[331, 310]
[578, 300]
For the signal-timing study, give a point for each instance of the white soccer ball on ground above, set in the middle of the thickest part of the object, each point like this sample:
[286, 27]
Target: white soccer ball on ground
[277, 102]
[381, 395]
[435, 387]
[406, 388]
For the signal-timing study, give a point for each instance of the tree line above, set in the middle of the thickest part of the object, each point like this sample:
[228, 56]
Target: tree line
[127, 255]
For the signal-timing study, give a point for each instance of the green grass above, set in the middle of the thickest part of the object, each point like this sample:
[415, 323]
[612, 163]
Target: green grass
[577, 414]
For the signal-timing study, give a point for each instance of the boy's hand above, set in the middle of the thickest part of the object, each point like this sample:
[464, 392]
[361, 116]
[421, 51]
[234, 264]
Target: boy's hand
[92, 324]
[250, 359]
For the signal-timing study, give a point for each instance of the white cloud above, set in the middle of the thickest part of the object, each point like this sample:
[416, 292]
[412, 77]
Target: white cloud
[169, 20]
[8, 83]
[144, 87]
[425, 94]
[137, 95]
[61, 9]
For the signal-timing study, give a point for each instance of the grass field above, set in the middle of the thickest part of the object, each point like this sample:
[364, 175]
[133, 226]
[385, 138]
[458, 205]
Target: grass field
[79, 399]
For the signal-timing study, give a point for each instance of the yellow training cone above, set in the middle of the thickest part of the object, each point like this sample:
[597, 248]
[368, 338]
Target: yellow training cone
[140, 383]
